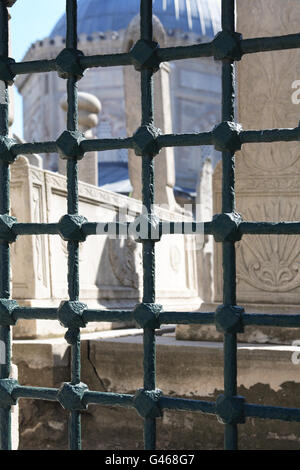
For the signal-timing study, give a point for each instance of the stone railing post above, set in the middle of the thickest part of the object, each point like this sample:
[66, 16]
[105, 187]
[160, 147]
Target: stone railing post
[164, 163]
[89, 108]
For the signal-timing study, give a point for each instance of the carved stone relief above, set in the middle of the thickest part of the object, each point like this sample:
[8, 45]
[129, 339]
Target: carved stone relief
[271, 262]
[267, 175]
[125, 257]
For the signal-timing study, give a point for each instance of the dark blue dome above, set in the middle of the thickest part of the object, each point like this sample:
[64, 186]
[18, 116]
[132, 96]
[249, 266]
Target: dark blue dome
[198, 16]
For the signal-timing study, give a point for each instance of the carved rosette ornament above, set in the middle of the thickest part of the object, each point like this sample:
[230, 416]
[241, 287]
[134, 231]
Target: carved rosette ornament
[270, 262]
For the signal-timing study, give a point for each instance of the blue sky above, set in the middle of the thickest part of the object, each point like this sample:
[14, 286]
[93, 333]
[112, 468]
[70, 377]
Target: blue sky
[31, 20]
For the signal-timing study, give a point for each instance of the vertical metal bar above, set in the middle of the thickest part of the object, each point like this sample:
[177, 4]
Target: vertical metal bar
[228, 15]
[228, 205]
[73, 246]
[5, 332]
[148, 245]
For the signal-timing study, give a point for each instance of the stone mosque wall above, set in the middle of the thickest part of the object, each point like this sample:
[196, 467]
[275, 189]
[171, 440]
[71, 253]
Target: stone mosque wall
[195, 99]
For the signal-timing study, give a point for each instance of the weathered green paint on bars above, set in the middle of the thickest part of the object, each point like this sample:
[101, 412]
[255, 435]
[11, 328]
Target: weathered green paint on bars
[227, 228]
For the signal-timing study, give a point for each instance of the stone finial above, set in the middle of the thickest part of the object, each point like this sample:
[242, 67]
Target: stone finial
[89, 108]
[132, 34]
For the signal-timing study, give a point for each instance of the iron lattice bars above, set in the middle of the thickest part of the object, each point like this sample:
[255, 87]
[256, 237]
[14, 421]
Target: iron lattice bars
[227, 228]
[5, 333]
[73, 333]
[228, 206]
[148, 245]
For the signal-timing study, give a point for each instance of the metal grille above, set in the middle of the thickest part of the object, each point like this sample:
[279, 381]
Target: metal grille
[227, 228]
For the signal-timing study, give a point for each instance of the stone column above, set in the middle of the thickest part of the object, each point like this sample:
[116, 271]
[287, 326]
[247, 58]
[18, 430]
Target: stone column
[89, 108]
[204, 243]
[164, 162]
[14, 368]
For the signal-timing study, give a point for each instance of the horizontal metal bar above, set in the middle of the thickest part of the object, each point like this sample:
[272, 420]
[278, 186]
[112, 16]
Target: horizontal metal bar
[34, 147]
[165, 318]
[105, 60]
[184, 404]
[164, 54]
[94, 315]
[110, 399]
[166, 403]
[269, 319]
[114, 228]
[97, 315]
[33, 313]
[89, 228]
[165, 228]
[186, 318]
[274, 43]
[166, 140]
[87, 145]
[89, 315]
[91, 145]
[185, 140]
[33, 66]
[186, 228]
[111, 229]
[270, 135]
[272, 412]
[167, 54]
[44, 65]
[35, 229]
[39, 393]
[270, 228]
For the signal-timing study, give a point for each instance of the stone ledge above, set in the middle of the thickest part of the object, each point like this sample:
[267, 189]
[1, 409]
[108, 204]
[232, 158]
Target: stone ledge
[122, 349]
[113, 362]
[190, 360]
[252, 334]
